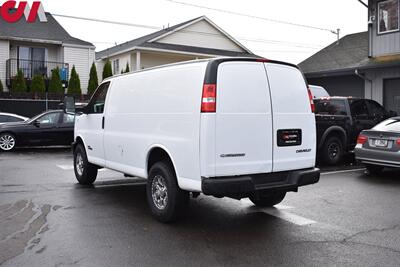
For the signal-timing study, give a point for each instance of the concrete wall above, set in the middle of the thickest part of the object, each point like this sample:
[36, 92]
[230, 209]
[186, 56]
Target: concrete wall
[201, 34]
[382, 44]
[4, 55]
[348, 85]
[82, 58]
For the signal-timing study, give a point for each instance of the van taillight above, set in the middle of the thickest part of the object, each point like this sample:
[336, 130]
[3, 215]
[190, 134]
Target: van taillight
[362, 139]
[209, 98]
[310, 97]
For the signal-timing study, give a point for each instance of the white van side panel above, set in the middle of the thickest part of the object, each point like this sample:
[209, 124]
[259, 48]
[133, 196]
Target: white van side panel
[243, 120]
[156, 108]
[291, 110]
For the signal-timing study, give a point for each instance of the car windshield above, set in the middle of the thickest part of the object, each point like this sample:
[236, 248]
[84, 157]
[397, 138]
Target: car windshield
[330, 107]
[390, 125]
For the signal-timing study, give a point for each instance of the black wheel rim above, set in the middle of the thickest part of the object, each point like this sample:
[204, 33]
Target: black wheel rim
[333, 150]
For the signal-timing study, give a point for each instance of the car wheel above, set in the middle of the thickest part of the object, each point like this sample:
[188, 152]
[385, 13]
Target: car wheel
[332, 151]
[374, 169]
[7, 142]
[166, 200]
[267, 200]
[85, 172]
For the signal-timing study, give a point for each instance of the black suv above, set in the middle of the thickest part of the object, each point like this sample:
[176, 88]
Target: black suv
[339, 121]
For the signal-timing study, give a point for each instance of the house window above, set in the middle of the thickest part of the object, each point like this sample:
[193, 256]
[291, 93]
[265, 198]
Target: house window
[31, 60]
[388, 16]
[116, 66]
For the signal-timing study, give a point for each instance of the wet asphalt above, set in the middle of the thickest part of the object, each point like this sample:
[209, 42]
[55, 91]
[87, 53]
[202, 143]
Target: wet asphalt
[47, 219]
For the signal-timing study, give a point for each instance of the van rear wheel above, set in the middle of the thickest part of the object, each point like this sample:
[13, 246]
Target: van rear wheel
[85, 172]
[165, 199]
[267, 200]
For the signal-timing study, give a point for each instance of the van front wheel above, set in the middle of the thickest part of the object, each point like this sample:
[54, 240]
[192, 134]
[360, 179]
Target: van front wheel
[165, 198]
[85, 172]
[267, 200]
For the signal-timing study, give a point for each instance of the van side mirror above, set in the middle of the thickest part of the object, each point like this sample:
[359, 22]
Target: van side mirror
[69, 104]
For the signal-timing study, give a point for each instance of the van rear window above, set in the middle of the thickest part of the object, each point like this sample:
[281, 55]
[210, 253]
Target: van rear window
[330, 107]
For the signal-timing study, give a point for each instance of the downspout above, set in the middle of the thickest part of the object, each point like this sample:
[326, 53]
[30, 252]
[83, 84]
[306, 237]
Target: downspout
[364, 78]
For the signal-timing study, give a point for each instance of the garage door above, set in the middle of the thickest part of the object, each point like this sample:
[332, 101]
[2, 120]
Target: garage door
[391, 94]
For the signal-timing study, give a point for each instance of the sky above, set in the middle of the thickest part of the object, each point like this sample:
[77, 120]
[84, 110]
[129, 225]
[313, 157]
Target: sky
[265, 38]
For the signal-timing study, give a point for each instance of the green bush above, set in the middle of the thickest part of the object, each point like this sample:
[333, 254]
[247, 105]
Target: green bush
[107, 70]
[18, 83]
[127, 68]
[55, 84]
[1, 87]
[93, 81]
[74, 84]
[37, 85]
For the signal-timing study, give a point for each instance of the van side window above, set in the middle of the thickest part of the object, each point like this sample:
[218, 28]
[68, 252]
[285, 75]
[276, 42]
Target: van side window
[98, 101]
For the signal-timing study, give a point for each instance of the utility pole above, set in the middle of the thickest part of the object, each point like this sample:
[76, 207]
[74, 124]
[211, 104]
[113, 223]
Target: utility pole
[337, 33]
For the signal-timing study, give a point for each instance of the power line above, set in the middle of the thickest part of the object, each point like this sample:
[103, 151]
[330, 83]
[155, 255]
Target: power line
[274, 42]
[252, 16]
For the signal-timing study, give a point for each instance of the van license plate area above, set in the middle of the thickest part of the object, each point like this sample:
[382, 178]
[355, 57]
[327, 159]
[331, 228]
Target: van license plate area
[289, 137]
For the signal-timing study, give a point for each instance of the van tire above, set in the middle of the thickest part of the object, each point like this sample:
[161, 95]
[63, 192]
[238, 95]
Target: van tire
[85, 172]
[164, 197]
[332, 150]
[267, 200]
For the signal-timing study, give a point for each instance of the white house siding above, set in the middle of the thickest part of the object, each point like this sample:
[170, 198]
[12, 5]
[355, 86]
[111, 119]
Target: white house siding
[123, 59]
[201, 34]
[149, 59]
[377, 77]
[82, 58]
[4, 55]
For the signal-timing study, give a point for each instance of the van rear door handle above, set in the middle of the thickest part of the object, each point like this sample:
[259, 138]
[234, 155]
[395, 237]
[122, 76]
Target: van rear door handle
[102, 123]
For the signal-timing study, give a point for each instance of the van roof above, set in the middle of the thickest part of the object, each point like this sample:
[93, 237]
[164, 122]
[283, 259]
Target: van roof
[213, 64]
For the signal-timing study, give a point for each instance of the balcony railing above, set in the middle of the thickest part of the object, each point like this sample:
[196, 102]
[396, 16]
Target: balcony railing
[30, 68]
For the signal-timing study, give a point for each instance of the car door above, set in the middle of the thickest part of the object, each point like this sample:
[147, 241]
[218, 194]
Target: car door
[43, 130]
[65, 130]
[93, 128]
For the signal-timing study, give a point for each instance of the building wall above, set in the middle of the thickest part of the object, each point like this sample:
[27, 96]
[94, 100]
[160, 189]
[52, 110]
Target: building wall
[82, 58]
[378, 76]
[201, 34]
[382, 44]
[4, 55]
[149, 59]
[347, 85]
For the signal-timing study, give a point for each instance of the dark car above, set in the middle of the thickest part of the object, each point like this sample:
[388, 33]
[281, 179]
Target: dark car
[46, 129]
[379, 147]
[9, 117]
[339, 120]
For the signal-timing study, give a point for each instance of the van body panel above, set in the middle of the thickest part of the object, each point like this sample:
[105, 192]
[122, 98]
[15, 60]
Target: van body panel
[243, 120]
[291, 111]
[145, 110]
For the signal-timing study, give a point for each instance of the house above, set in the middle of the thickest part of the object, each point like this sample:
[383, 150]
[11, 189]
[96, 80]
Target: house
[194, 39]
[365, 64]
[37, 48]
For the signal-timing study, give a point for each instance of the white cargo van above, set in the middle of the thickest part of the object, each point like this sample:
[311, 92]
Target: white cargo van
[234, 127]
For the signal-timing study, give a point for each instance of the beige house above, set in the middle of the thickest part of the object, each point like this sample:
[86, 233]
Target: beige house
[194, 39]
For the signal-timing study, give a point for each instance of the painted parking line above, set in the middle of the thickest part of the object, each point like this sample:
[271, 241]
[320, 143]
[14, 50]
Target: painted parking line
[289, 217]
[343, 171]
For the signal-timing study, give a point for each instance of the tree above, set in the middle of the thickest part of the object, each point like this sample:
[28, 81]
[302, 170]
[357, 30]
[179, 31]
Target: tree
[18, 83]
[93, 80]
[55, 84]
[107, 70]
[74, 85]
[127, 68]
[1, 87]
[37, 85]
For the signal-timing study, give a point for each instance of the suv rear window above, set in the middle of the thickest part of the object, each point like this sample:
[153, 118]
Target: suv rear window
[330, 107]
[390, 125]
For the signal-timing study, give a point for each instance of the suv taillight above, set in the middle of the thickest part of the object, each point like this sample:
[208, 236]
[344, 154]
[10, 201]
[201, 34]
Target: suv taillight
[398, 142]
[310, 97]
[362, 139]
[209, 98]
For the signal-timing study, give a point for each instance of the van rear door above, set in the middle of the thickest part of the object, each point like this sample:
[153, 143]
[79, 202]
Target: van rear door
[243, 119]
[293, 121]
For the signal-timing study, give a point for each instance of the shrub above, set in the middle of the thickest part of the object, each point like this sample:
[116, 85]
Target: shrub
[55, 84]
[18, 83]
[127, 68]
[1, 87]
[37, 85]
[107, 70]
[74, 85]
[93, 81]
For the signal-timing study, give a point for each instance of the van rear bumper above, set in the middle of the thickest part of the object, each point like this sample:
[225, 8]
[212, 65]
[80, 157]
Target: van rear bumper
[245, 185]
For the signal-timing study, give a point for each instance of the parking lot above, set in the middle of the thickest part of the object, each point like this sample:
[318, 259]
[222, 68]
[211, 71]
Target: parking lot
[47, 219]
